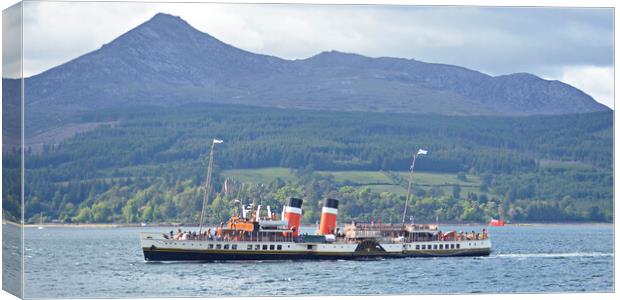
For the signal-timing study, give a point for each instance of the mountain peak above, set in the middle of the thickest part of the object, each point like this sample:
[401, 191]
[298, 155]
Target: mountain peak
[336, 53]
[163, 19]
[165, 23]
[165, 33]
[165, 16]
[333, 57]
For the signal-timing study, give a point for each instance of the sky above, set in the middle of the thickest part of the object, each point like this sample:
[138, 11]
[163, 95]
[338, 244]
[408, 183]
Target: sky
[573, 45]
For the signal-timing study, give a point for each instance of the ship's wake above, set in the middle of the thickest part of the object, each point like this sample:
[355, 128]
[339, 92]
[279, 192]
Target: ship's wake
[554, 255]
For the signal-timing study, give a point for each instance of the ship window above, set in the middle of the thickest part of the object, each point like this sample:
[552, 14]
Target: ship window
[423, 247]
[435, 247]
[279, 247]
[234, 247]
[458, 246]
[447, 246]
[417, 247]
[257, 247]
[264, 247]
[451, 246]
[272, 247]
[226, 247]
[441, 246]
[210, 246]
[250, 247]
[218, 246]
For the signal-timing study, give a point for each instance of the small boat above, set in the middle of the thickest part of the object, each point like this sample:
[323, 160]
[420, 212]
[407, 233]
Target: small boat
[40, 222]
[497, 222]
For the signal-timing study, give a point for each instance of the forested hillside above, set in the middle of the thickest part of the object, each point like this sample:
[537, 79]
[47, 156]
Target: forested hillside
[148, 165]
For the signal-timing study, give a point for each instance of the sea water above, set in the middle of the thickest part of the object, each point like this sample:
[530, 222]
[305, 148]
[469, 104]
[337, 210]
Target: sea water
[108, 262]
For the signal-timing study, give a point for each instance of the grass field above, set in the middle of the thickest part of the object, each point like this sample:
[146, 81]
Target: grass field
[439, 179]
[264, 175]
[359, 177]
[387, 188]
[375, 180]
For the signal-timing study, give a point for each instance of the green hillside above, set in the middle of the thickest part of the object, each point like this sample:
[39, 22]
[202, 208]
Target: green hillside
[148, 164]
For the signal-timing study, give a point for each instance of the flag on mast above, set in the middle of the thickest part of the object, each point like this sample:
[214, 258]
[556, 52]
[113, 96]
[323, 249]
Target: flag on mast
[422, 151]
[216, 141]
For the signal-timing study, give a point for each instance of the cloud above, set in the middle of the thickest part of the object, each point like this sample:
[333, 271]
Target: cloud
[494, 40]
[596, 81]
[11, 45]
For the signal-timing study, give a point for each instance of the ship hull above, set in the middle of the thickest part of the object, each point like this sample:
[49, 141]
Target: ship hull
[192, 255]
[156, 249]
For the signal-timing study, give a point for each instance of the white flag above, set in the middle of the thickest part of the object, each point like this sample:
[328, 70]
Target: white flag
[422, 151]
[216, 141]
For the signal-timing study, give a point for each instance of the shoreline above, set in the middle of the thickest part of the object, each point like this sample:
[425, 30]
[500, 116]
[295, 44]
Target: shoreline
[177, 225]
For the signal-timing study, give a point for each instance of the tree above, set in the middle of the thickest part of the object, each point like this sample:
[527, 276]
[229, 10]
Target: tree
[130, 211]
[147, 214]
[83, 215]
[456, 191]
[461, 176]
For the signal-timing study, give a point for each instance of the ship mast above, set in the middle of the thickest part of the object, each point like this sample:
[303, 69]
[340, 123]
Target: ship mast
[205, 198]
[415, 156]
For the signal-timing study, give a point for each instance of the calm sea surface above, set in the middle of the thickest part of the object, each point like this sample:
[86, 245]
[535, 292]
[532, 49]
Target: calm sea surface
[88, 262]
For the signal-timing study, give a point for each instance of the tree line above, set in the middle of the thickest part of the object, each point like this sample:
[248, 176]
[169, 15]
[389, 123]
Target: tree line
[155, 159]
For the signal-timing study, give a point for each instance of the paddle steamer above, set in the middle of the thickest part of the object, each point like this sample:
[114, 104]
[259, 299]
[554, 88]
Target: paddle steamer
[250, 236]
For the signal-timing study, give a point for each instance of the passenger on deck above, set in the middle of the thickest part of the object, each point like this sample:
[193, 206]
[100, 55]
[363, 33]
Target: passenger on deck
[484, 233]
